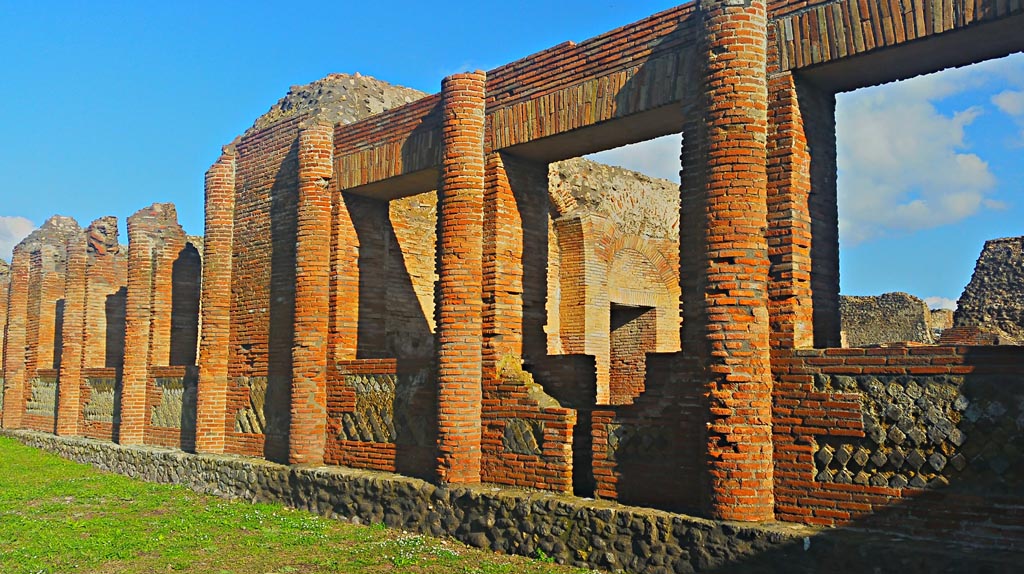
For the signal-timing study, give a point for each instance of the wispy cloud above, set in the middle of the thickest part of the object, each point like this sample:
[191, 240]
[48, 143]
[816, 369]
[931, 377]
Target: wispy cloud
[940, 303]
[904, 165]
[12, 230]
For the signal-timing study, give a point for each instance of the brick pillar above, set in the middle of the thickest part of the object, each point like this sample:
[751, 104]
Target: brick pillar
[14, 343]
[214, 344]
[725, 257]
[803, 218]
[307, 433]
[138, 316]
[344, 304]
[69, 389]
[502, 269]
[459, 269]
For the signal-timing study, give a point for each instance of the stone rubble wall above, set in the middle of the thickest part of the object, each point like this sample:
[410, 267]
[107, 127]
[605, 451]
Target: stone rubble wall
[583, 533]
[887, 318]
[992, 301]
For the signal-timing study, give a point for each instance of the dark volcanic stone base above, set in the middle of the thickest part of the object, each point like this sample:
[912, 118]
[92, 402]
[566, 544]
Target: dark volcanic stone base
[588, 533]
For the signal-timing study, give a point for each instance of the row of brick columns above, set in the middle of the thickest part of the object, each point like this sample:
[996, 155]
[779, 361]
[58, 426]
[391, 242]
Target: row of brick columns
[747, 212]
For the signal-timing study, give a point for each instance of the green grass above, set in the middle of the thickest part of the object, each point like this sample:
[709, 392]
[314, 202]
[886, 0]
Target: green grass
[60, 516]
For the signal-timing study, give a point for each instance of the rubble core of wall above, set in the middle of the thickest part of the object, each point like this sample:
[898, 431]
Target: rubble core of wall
[635, 203]
[991, 302]
[887, 318]
[338, 98]
[580, 532]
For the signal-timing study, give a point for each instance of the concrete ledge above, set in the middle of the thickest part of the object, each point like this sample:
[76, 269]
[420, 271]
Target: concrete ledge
[582, 532]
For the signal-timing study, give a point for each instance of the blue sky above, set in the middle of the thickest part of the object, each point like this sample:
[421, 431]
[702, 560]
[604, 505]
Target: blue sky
[111, 106]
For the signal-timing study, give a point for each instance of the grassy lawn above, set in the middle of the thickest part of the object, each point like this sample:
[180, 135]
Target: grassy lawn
[60, 516]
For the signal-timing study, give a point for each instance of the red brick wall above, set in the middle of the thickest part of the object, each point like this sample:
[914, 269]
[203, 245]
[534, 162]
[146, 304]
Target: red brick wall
[633, 336]
[263, 284]
[527, 436]
[381, 415]
[825, 397]
[153, 330]
[308, 417]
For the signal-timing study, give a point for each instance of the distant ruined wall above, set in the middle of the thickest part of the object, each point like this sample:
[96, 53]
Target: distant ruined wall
[887, 318]
[992, 302]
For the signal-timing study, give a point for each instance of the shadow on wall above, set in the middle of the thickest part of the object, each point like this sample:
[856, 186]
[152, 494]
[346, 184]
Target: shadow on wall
[958, 438]
[115, 308]
[58, 333]
[283, 231]
[186, 280]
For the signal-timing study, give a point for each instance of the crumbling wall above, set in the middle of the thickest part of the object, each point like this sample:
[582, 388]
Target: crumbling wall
[161, 327]
[94, 334]
[888, 318]
[992, 301]
[35, 324]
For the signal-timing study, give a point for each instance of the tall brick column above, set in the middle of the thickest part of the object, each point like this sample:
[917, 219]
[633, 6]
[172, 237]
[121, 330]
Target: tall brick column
[214, 345]
[460, 268]
[803, 218]
[725, 257]
[307, 433]
[14, 343]
[69, 389]
[138, 328]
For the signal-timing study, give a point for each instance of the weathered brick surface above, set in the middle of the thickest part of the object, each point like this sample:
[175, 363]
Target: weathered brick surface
[460, 281]
[725, 257]
[814, 32]
[211, 407]
[308, 420]
[94, 319]
[803, 219]
[35, 318]
[162, 270]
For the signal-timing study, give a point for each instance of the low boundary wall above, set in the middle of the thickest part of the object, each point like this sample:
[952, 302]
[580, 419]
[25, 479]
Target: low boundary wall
[582, 532]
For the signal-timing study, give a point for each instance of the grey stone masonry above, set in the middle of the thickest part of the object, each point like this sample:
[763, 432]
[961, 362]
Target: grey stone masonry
[578, 531]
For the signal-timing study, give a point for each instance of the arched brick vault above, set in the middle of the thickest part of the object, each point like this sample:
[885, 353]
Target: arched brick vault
[747, 423]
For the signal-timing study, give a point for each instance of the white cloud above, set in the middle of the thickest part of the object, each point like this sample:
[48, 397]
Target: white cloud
[1010, 102]
[904, 165]
[12, 230]
[940, 303]
[657, 158]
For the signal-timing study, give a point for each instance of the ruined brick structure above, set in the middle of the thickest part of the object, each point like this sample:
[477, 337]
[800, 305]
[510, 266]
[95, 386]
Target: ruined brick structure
[502, 343]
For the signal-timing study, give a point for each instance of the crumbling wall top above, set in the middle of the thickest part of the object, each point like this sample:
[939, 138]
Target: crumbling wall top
[991, 301]
[636, 203]
[102, 236]
[338, 98]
